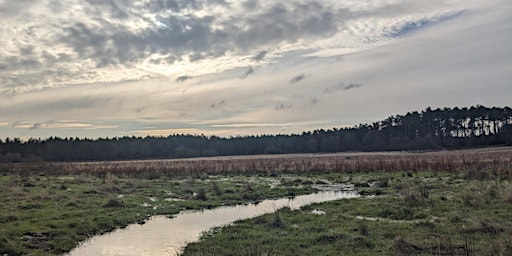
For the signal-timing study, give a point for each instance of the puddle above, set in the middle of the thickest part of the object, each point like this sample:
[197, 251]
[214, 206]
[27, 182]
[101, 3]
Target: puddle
[165, 236]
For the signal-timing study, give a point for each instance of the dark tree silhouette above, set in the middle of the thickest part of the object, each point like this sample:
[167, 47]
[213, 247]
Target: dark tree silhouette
[446, 128]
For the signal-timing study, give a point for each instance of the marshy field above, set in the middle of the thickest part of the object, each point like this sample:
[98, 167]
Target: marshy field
[408, 203]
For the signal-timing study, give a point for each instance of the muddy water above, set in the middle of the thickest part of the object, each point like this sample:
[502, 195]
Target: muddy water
[164, 236]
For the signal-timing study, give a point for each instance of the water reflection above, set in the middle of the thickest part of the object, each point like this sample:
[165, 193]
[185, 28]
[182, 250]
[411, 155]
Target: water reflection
[165, 236]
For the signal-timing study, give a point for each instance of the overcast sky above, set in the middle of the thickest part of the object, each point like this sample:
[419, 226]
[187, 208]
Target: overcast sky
[98, 68]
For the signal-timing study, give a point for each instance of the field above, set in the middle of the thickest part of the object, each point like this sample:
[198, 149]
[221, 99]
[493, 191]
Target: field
[441, 203]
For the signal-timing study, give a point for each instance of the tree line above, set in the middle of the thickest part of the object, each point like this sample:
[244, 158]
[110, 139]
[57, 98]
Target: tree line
[430, 129]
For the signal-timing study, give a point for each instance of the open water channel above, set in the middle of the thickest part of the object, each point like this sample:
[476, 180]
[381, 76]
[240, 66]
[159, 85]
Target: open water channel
[167, 236]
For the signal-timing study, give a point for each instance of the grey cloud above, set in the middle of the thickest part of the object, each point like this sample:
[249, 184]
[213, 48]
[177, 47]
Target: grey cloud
[116, 9]
[259, 56]
[281, 106]
[71, 104]
[22, 63]
[251, 5]
[10, 82]
[288, 23]
[139, 110]
[175, 6]
[104, 37]
[181, 79]
[27, 50]
[16, 8]
[111, 45]
[35, 126]
[107, 42]
[297, 78]
[86, 41]
[189, 35]
[75, 103]
[352, 86]
[15, 124]
[247, 73]
[218, 104]
[334, 89]
[414, 25]
[340, 87]
[50, 59]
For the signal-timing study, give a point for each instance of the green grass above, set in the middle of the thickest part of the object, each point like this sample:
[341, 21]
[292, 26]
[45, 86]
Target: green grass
[421, 214]
[51, 214]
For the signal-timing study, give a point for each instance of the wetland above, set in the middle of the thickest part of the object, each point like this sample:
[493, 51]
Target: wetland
[421, 203]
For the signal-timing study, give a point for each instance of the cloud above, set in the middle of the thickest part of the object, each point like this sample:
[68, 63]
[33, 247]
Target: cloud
[167, 132]
[341, 87]
[334, 88]
[16, 124]
[405, 27]
[35, 126]
[51, 43]
[259, 56]
[297, 79]
[286, 23]
[247, 73]
[181, 79]
[127, 65]
[251, 5]
[80, 126]
[314, 100]
[139, 110]
[281, 106]
[218, 104]
[352, 86]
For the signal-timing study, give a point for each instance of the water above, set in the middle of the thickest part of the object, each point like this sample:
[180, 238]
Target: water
[165, 236]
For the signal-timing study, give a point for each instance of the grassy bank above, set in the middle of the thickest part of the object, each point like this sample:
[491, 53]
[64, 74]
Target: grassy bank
[50, 214]
[403, 213]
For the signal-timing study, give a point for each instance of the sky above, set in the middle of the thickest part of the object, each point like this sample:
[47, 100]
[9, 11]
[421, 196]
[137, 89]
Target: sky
[114, 68]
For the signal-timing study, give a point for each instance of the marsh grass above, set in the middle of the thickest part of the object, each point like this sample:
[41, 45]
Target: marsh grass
[53, 206]
[49, 215]
[422, 214]
[476, 163]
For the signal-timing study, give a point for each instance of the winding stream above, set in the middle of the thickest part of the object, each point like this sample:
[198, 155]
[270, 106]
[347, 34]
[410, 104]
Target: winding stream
[165, 236]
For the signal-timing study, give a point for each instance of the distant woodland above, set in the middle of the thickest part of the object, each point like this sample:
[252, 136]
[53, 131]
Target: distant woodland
[430, 129]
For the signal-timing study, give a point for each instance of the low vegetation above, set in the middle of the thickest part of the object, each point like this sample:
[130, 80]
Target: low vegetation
[49, 214]
[423, 213]
[461, 199]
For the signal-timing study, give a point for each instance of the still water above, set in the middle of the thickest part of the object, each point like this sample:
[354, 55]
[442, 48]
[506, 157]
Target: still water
[165, 236]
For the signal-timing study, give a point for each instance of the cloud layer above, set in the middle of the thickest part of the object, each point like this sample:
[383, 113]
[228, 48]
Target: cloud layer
[56, 43]
[109, 68]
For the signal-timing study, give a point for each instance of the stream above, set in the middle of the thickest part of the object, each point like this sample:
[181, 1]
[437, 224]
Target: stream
[161, 235]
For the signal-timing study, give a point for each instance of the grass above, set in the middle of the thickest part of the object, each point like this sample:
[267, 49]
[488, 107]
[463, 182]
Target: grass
[422, 214]
[459, 201]
[47, 215]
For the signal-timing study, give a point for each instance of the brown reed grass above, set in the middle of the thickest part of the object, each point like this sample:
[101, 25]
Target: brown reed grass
[497, 161]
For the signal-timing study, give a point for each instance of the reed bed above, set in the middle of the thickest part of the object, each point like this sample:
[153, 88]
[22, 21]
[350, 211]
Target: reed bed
[498, 161]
